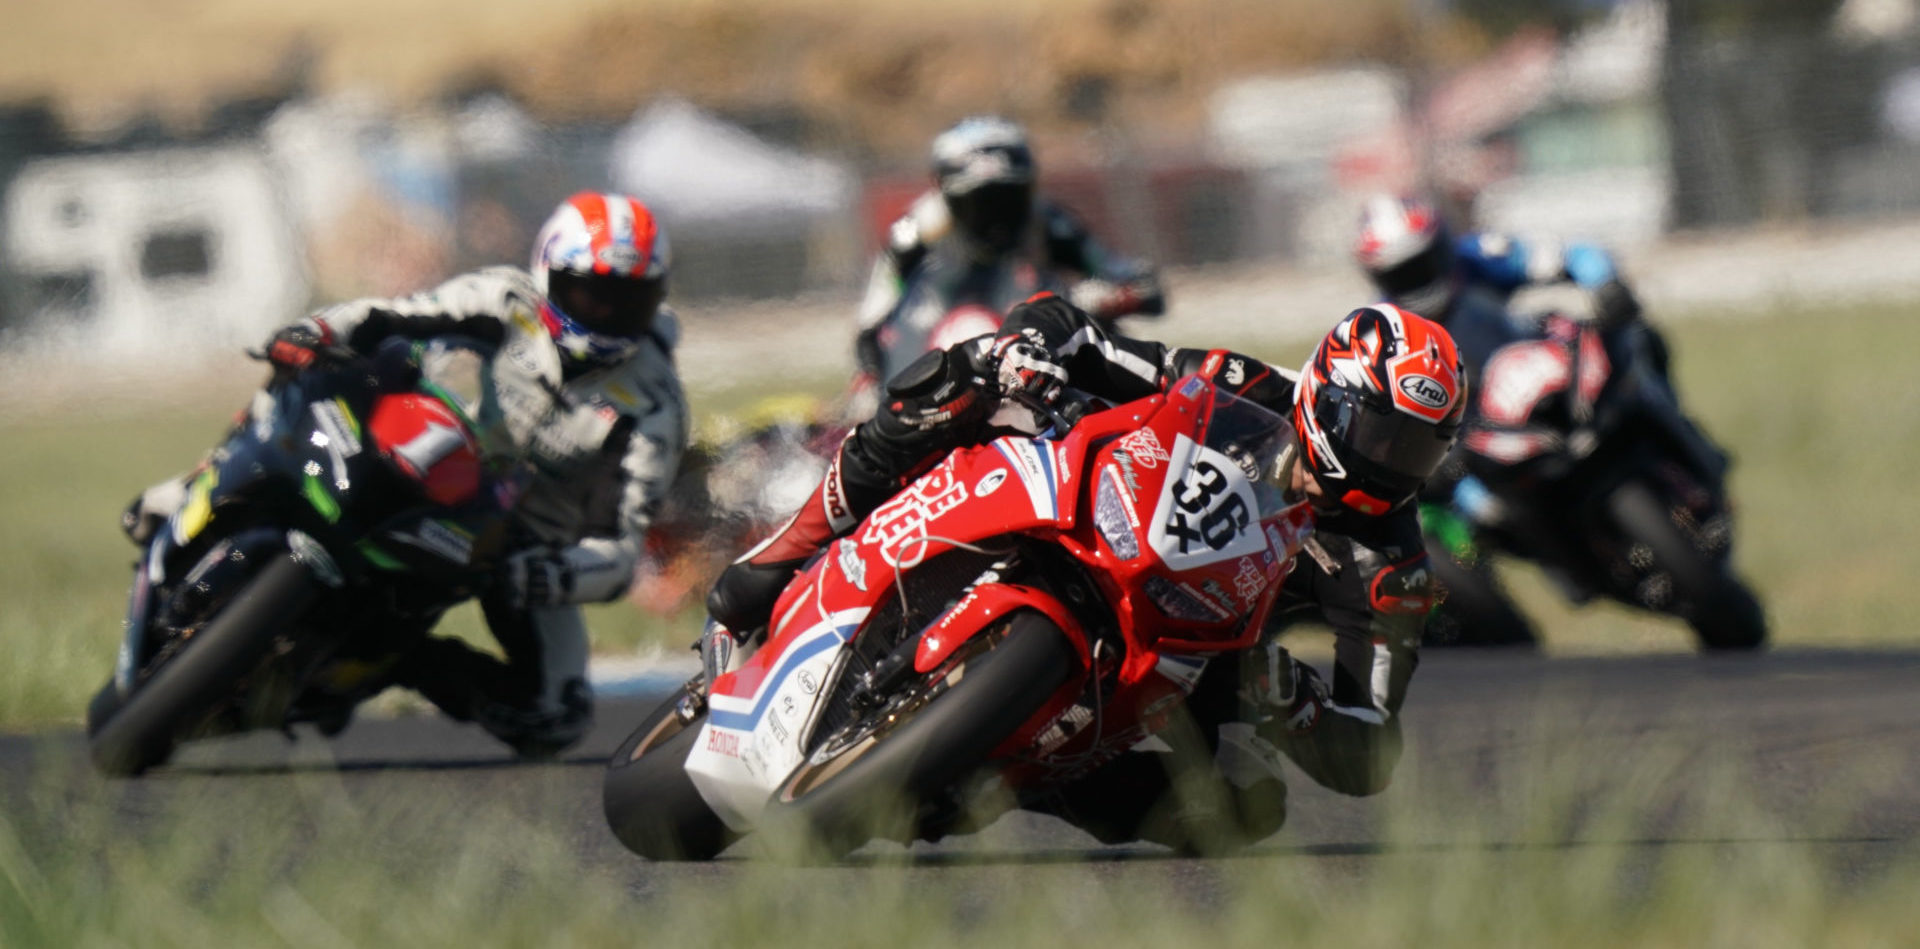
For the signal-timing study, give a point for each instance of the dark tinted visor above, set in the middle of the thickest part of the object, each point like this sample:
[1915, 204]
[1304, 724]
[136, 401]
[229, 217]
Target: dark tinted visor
[995, 214]
[605, 303]
[1422, 270]
[1396, 448]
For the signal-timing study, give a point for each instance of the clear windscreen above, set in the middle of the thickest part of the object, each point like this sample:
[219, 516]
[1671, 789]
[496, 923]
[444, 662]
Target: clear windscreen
[1260, 443]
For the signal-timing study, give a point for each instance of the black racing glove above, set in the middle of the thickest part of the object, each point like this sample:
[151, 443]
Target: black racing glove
[299, 346]
[1022, 367]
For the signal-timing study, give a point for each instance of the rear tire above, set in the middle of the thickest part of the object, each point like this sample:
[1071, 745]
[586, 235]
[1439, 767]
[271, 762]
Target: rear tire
[177, 697]
[837, 803]
[1724, 613]
[651, 804]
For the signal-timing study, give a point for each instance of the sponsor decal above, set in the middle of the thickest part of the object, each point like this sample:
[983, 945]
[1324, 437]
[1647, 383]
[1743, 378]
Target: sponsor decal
[1032, 462]
[1236, 371]
[1249, 581]
[988, 484]
[1219, 596]
[834, 497]
[1192, 387]
[723, 742]
[1424, 390]
[338, 428]
[777, 730]
[851, 566]
[809, 683]
[1145, 448]
[1183, 670]
[899, 527]
[1212, 364]
[623, 258]
[1128, 477]
[1210, 602]
[1064, 726]
[441, 538]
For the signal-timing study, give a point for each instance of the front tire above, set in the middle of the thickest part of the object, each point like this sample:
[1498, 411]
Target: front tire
[1724, 613]
[837, 800]
[651, 804]
[177, 696]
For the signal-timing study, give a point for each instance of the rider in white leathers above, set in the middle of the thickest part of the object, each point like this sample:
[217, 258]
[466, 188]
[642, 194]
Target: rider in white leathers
[585, 377]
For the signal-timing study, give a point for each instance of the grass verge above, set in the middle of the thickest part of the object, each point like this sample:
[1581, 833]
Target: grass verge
[1819, 410]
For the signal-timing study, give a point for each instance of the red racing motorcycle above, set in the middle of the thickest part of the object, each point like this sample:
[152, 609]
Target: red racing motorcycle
[1022, 613]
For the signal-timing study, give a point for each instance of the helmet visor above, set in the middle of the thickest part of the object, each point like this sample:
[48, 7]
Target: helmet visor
[1431, 267]
[1387, 446]
[994, 214]
[607, 304]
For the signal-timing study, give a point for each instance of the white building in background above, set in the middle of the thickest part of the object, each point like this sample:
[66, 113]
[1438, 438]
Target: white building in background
[154, 251]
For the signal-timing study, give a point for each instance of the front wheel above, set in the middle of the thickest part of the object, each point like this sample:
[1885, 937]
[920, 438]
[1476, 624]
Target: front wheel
[141, 729]
[926, 742]
[1724, 613]
[651, 804]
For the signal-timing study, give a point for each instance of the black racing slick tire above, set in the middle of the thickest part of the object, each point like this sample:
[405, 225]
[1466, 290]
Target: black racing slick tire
[177, 697]
[651, 804]
[1724, 613]
[839, 802]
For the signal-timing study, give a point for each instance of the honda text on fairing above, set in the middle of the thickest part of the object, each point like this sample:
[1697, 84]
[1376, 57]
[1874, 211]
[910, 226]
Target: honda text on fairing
[1023, 612]
[369, 488]
[1584, 462]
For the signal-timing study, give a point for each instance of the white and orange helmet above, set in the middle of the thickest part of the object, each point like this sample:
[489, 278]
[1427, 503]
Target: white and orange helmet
[1378, 406]
[600, 264]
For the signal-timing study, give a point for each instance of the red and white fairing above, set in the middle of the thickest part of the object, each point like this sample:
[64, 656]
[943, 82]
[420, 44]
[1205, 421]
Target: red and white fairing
[1201, 555]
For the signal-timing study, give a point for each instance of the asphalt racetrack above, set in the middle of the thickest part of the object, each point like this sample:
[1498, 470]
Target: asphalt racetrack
[1825, 743]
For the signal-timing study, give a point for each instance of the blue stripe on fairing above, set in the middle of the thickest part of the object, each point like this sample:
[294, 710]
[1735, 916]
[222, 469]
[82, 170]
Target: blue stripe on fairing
[748, 721]
[1046, 465]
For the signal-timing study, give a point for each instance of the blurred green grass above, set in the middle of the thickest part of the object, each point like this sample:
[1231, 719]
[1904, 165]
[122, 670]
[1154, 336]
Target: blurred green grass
[1569, 845]
[1818, 407]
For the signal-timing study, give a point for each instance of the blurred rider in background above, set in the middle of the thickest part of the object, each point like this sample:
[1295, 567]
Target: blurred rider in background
[1465, 282]
[1364, 449]
[585, 375]
[984, 213]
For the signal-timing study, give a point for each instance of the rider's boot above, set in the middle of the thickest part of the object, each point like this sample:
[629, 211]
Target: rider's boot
[538, 702]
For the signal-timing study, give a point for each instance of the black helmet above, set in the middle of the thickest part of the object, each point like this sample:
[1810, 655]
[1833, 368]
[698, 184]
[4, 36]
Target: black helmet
[984, 169]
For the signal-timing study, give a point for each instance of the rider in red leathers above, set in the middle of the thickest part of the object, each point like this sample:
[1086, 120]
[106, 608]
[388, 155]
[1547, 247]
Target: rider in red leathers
[1364, 452]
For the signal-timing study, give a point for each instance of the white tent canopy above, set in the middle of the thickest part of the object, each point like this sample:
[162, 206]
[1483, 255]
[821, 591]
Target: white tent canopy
[695, 168]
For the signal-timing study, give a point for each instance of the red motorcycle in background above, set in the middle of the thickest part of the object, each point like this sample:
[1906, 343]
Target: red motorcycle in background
[1022, 613]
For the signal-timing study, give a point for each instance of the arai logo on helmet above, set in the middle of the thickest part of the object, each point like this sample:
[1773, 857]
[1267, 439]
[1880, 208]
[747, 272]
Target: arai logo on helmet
[1424, 390]
[623, 258]
[988, 484]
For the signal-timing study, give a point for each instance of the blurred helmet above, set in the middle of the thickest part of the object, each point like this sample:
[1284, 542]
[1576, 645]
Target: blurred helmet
[1406, 251]
[600, 264]
[984, 169]
[1378, 406]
